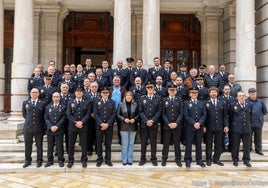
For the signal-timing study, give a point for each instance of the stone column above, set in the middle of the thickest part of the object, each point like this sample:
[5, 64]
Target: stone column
[245, 69]
[151, 31]
[210, 35]
[22, 66]
[122, 30]
[2, 65]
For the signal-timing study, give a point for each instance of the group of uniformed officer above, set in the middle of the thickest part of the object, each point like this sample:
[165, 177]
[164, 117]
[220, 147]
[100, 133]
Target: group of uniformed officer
[79, 103]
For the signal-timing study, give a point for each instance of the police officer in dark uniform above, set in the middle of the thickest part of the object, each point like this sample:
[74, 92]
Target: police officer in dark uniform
[217, 122]
[54, 118]
[150, 109]
[172, 113]
[65, 97]
[139, 71]
[195, 115]
[122, 73]
[104, 114]
[241, 117]
[91, 134]
[47, 90]
[202, 90]
[33, 112]
[78, 112]
[155, 71]
[35, 81]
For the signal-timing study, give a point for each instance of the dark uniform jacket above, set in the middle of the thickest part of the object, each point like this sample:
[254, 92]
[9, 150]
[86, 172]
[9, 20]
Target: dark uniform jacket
[150, 110]
[203, 93]
[123, 74]
[55, 116]
[259, 110]
[172, 112]
[182, 92]
[104, 112]
[88, 70]
[77, 112]
[142, 73]
[137, 93]
[103, 82]
[34, 82]
[153, 73]
[241, 117]
[194, 113]
[66, 98]
[122, 113]
[78, 79]
[161, 92]
[34, 116]
[217, 116]
[46, 93]
[212, 82]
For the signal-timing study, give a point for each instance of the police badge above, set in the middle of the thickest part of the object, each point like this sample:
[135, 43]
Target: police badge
[153, 72]
[190, 105]
[50, 110]
[31, 81]
[144, 101]
[235, 108]
[99, 103]
[207, 105]
[135, 72]
[72, 105]
[42, 91]
[166, 103]
[27, 106]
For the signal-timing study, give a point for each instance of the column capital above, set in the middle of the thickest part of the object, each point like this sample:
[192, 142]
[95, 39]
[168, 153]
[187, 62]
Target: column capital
[229, 10]
[211, 12]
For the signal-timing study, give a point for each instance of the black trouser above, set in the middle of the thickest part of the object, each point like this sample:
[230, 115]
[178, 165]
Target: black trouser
[257, 132]
[215, 136]
[66, 135]
[51, 140]
[118, 122]
[192, 137]
[152, 135]
[176, 135]
[91, 135]
[28, 137]
[83, 142]
[108, 133]
[246, 146]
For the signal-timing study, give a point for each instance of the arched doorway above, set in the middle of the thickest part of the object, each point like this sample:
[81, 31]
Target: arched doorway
[87, 35]
[180, 39]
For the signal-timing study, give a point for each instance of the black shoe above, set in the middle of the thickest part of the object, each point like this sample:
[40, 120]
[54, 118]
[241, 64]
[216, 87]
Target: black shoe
[49, 163]
[70, 164]
[84, 164]
[89, 153]
[38, 164]
[164, 163]
[178, 163]
[99, 163]
[235, 163]
[56, 154]
[130, 164]
[61, 164]
[188, 164]
[142, 162]
[259, 152]
[218, 162]
[247, 164]
[109, 163]
[209, 162]
[201, 164]
[26, 165]
[154, 162]
[124, 164]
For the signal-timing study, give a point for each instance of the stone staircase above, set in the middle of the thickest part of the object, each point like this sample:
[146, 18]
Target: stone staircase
[12, 157]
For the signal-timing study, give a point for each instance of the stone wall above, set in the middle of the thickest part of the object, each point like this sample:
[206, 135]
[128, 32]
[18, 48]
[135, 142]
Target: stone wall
[261, 21]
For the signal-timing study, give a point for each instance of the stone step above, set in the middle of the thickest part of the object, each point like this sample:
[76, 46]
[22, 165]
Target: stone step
[18, 157]
[118, 167]
[19, 147]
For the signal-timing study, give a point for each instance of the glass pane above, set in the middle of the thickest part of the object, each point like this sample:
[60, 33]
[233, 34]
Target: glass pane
[182, 57]
[195, 59]
[166, 55]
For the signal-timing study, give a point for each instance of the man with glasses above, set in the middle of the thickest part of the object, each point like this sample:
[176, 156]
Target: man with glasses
[33, 112]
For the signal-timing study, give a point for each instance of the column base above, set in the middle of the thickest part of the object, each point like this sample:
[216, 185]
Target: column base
[15, 117]
[9, 131]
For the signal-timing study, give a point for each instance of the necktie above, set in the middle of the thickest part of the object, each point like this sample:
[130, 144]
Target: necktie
[138, 88]
[33, 103]
[56, 106]
[214, 103]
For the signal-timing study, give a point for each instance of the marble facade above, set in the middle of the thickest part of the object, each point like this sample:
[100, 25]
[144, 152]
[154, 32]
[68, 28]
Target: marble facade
[137, 32]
